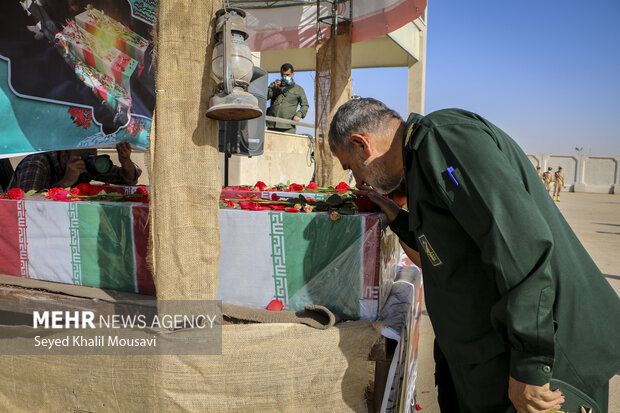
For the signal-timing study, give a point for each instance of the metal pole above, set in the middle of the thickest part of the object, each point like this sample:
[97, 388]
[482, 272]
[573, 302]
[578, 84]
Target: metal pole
[226, 156]
[227, 50]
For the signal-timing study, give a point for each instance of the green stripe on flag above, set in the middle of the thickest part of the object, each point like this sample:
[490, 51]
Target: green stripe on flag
[324, 261]
[106, 246]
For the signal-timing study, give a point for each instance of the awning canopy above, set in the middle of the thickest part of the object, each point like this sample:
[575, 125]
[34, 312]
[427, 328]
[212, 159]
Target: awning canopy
[289, 24]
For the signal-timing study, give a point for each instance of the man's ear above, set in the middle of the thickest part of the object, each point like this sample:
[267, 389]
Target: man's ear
[361, 145]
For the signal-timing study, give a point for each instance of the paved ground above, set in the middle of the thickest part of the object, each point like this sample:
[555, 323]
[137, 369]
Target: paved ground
[595, 218]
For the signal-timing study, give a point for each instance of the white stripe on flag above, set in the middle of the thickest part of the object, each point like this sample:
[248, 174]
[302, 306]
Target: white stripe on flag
[49, 241]
[246, 266]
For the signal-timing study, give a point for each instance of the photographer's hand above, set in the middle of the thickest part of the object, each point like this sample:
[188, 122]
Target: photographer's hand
[75, 167]
[124, 156]
[277, 82]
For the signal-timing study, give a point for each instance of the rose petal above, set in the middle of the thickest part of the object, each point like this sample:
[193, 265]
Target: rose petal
[275, 305]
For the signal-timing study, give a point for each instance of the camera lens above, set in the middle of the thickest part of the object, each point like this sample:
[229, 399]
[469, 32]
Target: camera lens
[102, 164]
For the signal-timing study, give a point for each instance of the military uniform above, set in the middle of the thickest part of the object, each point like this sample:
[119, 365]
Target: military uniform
[509, 288]
[558, 183]
[284, 102]
[547, 178]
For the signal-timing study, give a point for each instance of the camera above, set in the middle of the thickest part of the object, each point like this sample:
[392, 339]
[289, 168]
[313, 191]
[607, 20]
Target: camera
[97, 164]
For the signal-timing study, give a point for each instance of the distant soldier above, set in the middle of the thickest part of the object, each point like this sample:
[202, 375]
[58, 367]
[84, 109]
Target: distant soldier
[539, 172]
[558, 180]
[547, 178]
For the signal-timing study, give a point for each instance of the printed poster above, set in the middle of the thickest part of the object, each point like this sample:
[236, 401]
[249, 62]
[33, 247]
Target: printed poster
[75, 73]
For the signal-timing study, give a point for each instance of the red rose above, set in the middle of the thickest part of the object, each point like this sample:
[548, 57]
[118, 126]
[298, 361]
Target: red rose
[58, 194]
[88, 189]
[275, 305]
[312, 185]
[278, 207]
[274, 197]
[3, 197]
[295, 188]
[141, 191]
[260, 185]
[15, 193]
[291, 210]
[76, 191]
[364, 204]
[250, 206]
[342, 187]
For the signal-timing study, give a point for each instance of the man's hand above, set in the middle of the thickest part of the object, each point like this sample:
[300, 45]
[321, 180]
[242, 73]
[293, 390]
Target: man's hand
[528, 398]
[277, 82]
[75, 167]
[296, 118]
[124, 152]
[389, 207]
[124, 156]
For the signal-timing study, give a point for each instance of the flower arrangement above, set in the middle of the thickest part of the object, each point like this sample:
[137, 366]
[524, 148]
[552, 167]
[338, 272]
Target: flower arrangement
[342, 200]
[83, 192]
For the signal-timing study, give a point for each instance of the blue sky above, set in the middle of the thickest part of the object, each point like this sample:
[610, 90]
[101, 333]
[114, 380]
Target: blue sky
[546, 72]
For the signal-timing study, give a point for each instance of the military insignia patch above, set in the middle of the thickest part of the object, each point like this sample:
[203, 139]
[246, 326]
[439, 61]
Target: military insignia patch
[408, 135]
[430, 252]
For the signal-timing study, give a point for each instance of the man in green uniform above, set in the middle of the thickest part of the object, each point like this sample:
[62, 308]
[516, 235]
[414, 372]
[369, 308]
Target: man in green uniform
[286, 96]
[514, 298]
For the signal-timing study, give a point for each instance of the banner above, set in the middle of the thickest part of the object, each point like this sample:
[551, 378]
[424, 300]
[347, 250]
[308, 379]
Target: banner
[75, 73]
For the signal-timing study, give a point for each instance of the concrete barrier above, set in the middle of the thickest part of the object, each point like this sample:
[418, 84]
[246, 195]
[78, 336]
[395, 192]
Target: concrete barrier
[286, 159]
[584, 173]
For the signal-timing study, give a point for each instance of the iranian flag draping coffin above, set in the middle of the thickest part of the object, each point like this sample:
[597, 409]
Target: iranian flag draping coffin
[113, 33]
[347, 265]
[79, 243]
[101, 56]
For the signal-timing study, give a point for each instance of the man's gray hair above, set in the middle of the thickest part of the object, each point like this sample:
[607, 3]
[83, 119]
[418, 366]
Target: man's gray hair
[361, 115]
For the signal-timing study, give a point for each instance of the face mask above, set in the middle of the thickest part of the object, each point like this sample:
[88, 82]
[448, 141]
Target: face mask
[287, 80]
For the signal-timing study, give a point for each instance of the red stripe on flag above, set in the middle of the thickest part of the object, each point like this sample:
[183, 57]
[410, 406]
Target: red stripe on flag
[9, 238]
[117, 70]
[121, 44]
[372, 252]
[90, 28]
[141, 231]
[89, 57]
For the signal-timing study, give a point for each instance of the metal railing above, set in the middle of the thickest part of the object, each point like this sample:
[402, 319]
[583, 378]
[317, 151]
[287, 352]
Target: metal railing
[289, 121]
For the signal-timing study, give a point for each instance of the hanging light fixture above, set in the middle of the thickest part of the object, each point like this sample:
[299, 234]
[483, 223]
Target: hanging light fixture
[231, 67]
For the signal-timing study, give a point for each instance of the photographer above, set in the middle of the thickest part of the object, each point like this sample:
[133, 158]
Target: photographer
[68, 168]
[285, 97]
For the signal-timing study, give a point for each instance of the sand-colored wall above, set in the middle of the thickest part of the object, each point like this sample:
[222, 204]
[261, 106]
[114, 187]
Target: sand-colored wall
[583, 173]
[286, 158]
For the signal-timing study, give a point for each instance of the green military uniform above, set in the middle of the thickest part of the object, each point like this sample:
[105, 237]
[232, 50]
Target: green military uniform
[284, 102]
[509, 288]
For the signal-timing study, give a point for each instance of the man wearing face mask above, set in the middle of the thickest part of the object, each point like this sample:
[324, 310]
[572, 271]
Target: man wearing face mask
[286, 96]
